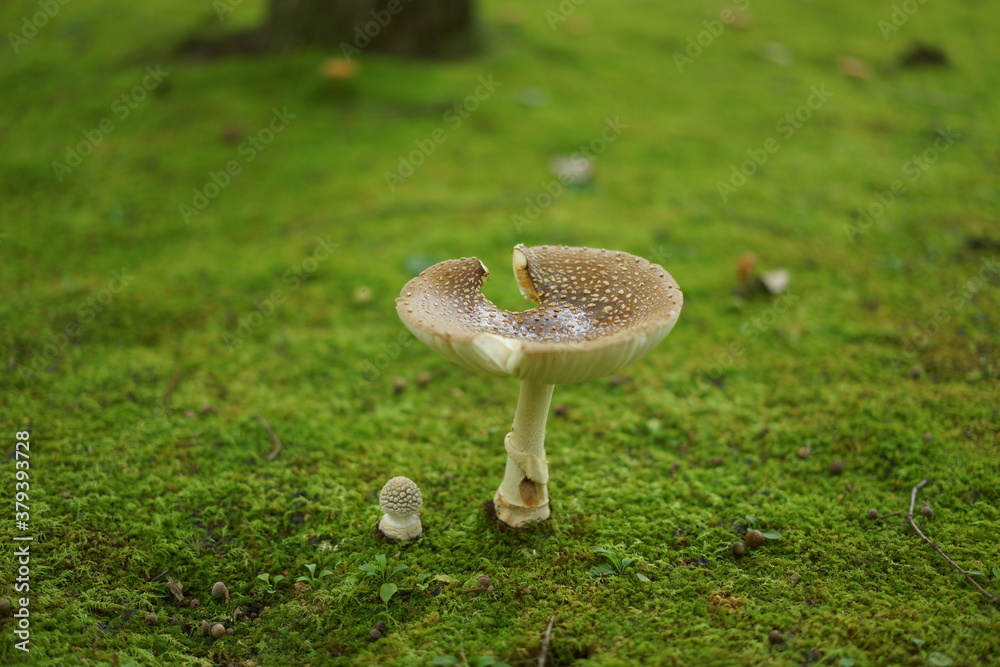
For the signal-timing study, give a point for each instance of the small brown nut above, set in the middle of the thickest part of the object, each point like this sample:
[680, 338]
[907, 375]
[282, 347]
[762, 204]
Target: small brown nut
[926, 511]
[398, 385]
[803, 452]
[489, 589]
[152, 619]
[837, 467]
[195, 602]
[173, 620]
[380, 626]
[229, 631]
[206, 628]
[375, 634]
[484, 581]
[775, 636]
[754, 538]
[5, 606]
[218, 630]
[873, 513]
[219, 590]
[739, 548]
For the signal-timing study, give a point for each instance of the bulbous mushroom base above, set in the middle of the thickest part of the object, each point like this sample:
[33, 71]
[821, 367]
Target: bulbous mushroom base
[401, 526]
[531, 505]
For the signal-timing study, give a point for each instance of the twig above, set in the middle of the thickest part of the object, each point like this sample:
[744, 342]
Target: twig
[909, 517]
[159, 575]
[546, 641]
[274, 436]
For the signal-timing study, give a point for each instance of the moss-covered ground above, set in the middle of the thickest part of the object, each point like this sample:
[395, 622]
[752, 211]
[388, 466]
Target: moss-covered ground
[141, 340]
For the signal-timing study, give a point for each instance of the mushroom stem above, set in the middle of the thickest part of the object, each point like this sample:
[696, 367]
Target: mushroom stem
[523, 495]
[398, 526]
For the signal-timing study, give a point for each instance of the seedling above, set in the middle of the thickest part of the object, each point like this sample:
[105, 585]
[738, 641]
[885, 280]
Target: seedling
[386, 591]
[271, 582]
[615, 565]
[380, 568]
[422, 580]
[312, 573]
[381, 571]
[935, 658]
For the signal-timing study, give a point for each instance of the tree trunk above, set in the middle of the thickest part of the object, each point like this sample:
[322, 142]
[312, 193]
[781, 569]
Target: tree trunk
[422, 28]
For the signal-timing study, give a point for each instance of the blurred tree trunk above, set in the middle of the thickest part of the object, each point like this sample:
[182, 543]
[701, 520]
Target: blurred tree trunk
[429, 28]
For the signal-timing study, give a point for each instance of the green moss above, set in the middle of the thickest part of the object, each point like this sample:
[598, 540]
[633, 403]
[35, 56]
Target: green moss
[148, 457]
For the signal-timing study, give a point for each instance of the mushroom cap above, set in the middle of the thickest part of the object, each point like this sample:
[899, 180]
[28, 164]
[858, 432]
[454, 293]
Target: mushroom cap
[597, 311]
[400, 495]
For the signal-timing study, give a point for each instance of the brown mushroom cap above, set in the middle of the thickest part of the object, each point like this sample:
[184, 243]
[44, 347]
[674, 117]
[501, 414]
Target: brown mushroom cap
[598, 311]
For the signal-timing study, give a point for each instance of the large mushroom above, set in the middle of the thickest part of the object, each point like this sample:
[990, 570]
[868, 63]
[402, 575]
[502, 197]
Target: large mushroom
[597, 311]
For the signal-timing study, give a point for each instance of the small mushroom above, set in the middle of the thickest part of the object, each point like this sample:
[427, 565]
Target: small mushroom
[219, 591]
[597, 311]
[400, 499]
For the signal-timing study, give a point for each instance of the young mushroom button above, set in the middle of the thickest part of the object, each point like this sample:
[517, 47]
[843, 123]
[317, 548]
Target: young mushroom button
[596, 312]
[400, 499]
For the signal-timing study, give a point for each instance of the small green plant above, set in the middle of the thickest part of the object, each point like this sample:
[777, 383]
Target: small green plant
[387, 590]
[422, 580]
[380, 568]
[312, 573]
[381, 571]
[935, 658]
[615, 565]
[271, 582]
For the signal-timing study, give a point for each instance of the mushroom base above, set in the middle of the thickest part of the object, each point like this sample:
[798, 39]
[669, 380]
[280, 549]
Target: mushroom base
[401, 527]
[518, 516]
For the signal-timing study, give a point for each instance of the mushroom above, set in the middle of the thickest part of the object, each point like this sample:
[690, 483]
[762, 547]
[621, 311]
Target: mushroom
[400, 499]
[597, 311]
